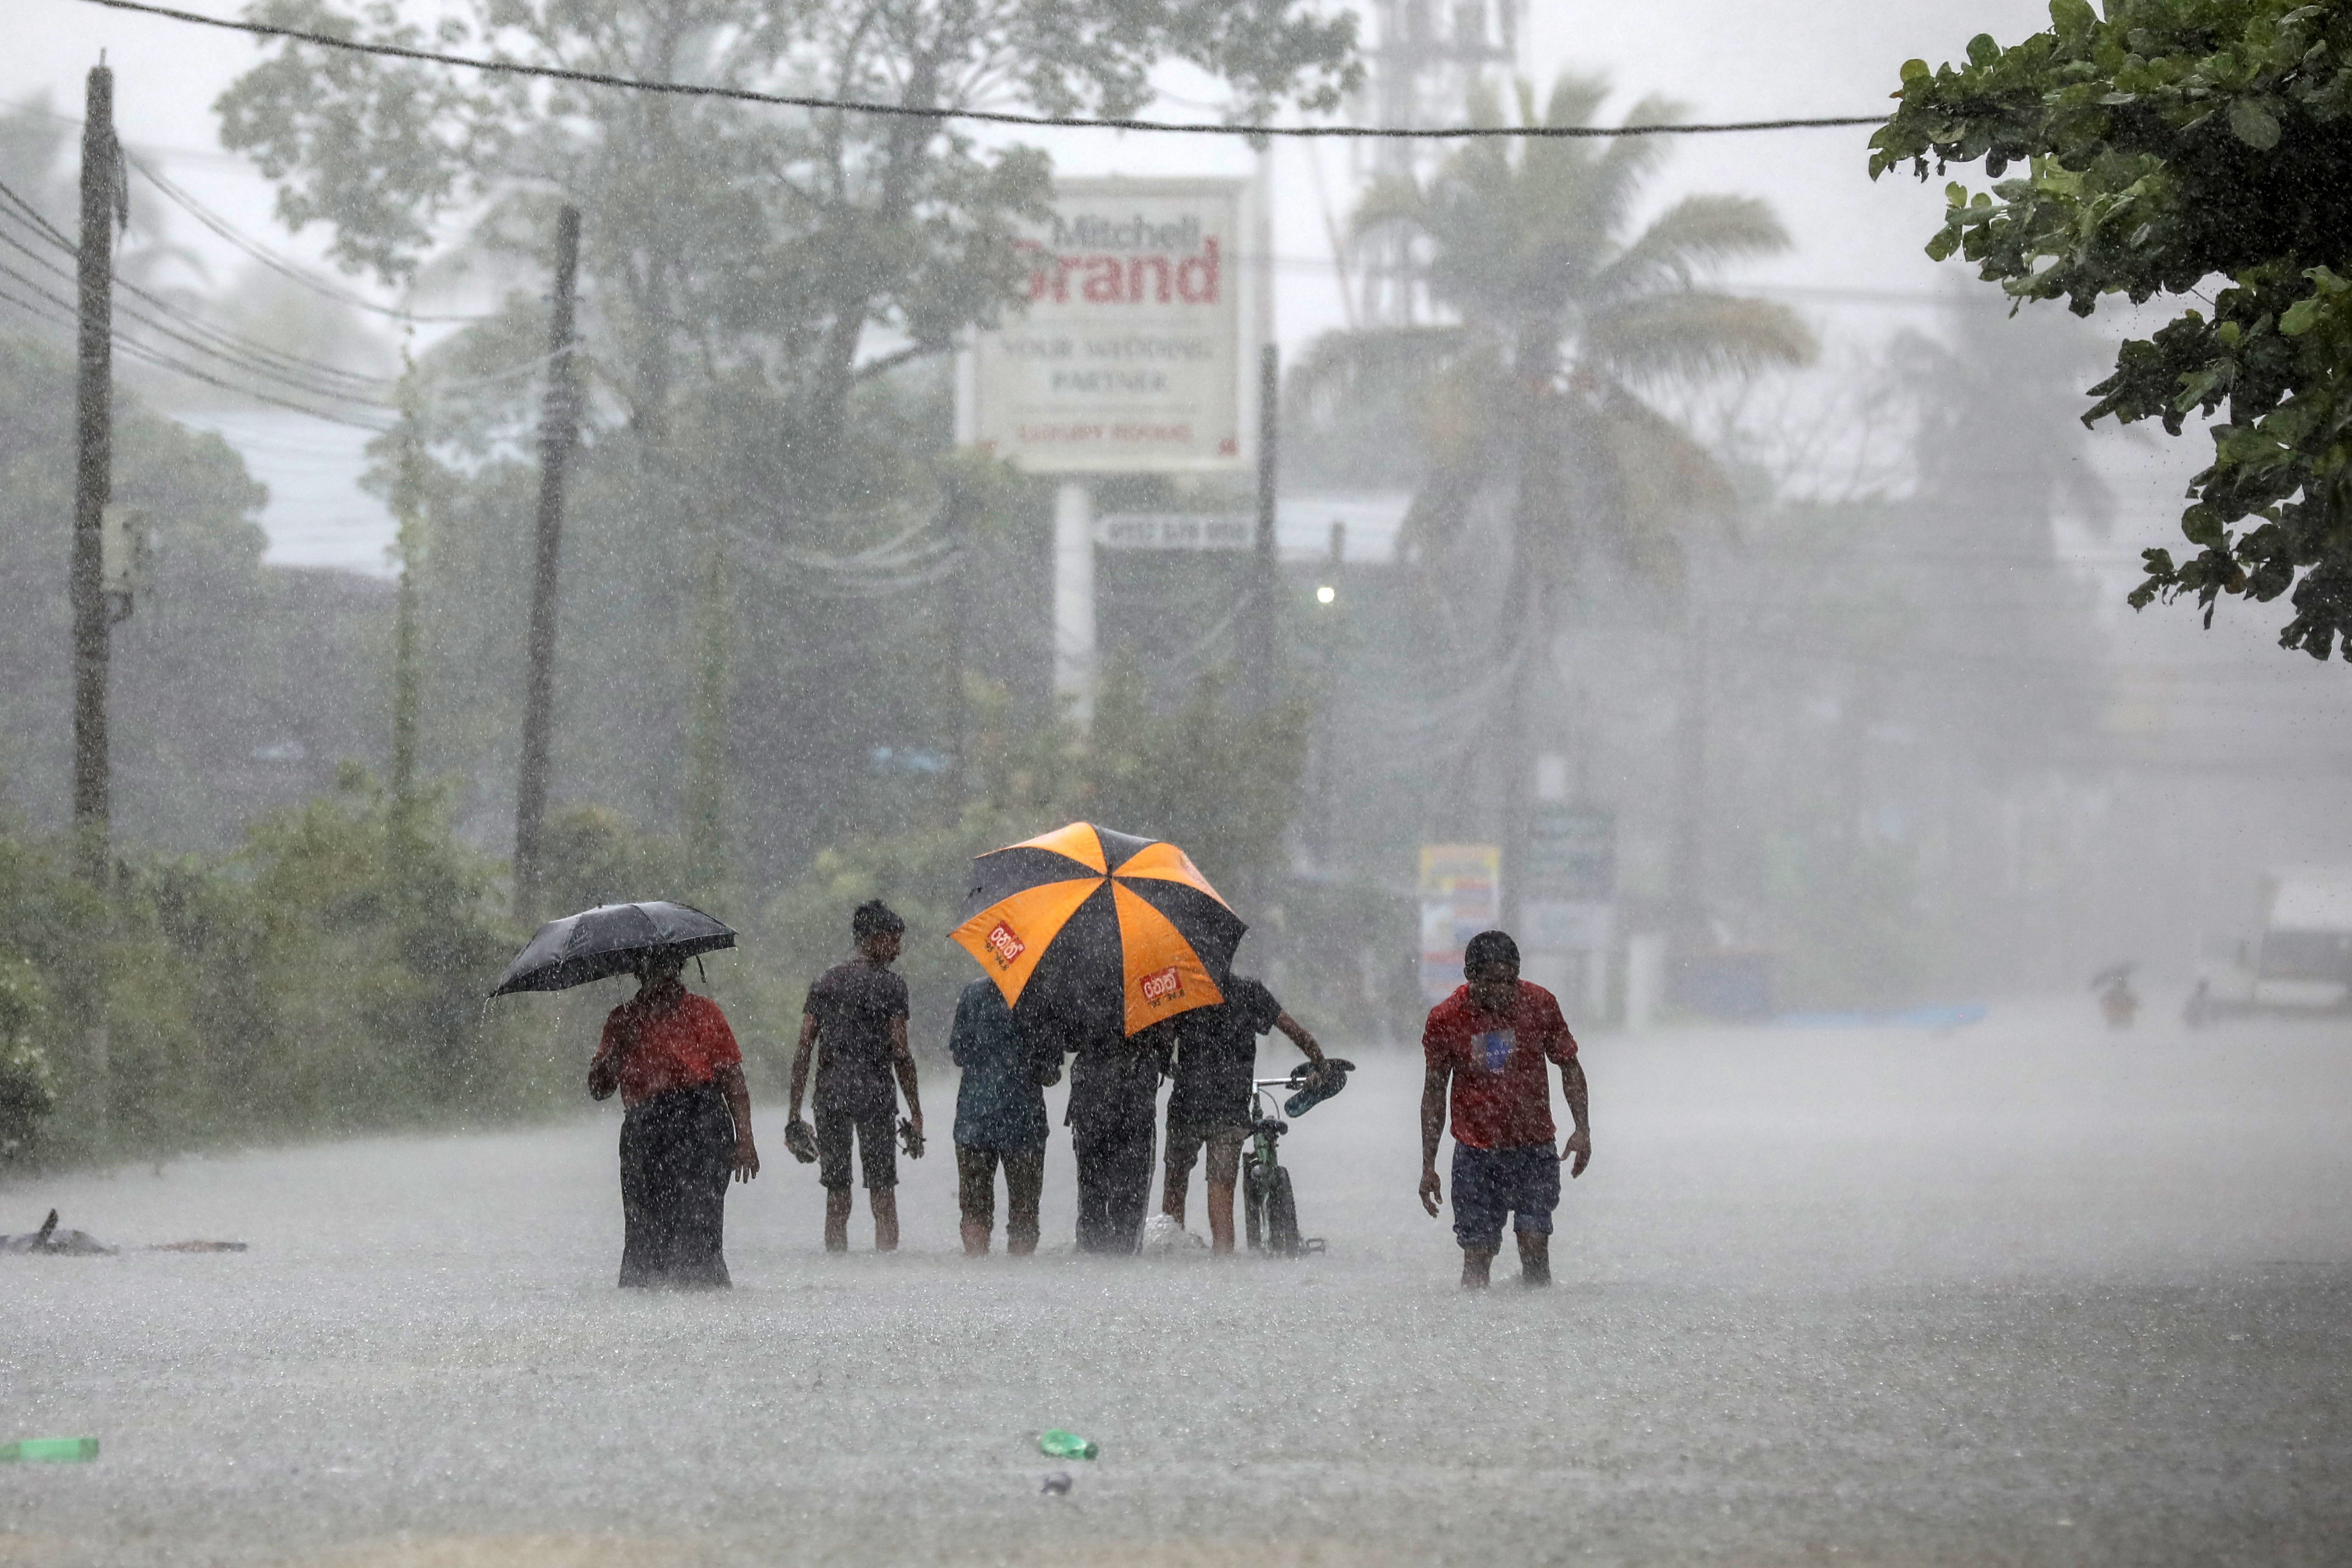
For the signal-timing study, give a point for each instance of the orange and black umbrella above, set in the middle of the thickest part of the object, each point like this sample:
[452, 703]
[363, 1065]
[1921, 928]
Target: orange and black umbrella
[1104, 933]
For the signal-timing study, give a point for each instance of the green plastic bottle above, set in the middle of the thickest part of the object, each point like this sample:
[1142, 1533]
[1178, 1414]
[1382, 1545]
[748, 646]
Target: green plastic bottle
[50, 1450]
[1060, 1445]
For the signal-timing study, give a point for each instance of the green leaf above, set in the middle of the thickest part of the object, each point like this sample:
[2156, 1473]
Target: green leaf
[1956, 195]
[1915, 70]
[2254, 124]
[1982, 50]
[2068, 16]
[2302, 316]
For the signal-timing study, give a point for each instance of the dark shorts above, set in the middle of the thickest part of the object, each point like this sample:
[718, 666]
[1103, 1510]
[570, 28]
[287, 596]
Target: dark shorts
[1025, 1179]
[1490, 1184]
[878, 1148]
[1184, 1140]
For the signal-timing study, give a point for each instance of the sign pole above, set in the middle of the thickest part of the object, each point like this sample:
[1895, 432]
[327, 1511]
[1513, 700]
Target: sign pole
[1074, 597]
[1257, 638]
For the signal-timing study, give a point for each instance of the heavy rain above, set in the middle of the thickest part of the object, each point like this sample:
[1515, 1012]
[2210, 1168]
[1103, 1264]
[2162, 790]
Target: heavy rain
[869, 783]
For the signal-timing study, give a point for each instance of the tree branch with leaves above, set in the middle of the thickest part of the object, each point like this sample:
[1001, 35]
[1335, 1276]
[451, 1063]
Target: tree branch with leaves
[2165, 144]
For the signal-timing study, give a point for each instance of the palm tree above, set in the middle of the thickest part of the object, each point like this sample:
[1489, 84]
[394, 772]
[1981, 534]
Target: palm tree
[1532, 394]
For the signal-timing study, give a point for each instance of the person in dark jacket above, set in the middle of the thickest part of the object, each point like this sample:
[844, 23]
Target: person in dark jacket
[1114, 1101]
[688, 1125]
[1000, 1120]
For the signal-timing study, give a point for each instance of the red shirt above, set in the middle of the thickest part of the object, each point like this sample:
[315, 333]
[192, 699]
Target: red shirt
[679, 1046]
[1502, 1098]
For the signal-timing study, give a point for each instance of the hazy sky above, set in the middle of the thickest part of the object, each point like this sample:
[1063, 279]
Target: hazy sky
[1856, 270]
[1763, 59]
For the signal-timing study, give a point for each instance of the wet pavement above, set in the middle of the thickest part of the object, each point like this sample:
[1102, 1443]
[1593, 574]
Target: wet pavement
[2025, 1292]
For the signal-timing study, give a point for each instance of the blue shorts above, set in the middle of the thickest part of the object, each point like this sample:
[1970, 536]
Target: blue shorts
[1490, 1183]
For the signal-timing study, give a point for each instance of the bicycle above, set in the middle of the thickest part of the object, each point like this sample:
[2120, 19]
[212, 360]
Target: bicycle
[1269, 1202]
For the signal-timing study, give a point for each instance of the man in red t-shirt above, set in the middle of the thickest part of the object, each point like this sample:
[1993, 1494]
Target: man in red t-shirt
[1487, 1043]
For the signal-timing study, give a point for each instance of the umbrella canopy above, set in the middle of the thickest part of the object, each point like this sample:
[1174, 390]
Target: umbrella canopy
[609, 940]
[1106, 931]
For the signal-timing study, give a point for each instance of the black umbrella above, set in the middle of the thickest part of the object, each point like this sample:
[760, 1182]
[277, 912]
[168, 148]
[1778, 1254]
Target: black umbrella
[609, 940]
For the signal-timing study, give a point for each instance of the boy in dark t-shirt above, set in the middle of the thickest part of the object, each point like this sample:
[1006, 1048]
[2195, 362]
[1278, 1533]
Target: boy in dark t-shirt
[1487, 1043]
[856, 1022]
[1000, 1119]
[1216, 1059]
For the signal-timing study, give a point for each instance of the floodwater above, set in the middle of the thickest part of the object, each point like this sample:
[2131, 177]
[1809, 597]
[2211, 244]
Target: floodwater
[2027, 1292]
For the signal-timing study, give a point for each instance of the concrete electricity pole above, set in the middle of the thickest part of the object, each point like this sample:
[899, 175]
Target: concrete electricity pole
[559, 429]
[1263, 681]
[101, 199]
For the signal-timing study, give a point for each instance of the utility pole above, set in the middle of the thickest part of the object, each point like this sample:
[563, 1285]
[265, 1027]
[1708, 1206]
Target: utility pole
[704, 826]
[407, 510]
[558, 428]
[1263, 681]
[101, 197]
[959, 529]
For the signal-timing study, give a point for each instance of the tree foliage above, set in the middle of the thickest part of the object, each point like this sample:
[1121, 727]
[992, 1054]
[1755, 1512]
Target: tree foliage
[2166, 143]
[1533, 400]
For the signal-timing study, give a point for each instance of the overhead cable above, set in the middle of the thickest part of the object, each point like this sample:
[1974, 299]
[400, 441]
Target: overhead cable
[989, 116]
[232, 344]
[294, 370]
[230, 350]
[66, 315]
[274, 262]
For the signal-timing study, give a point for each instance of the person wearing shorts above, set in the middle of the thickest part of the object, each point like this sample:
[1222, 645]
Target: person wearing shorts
[1000, 1119]
[1483, 1050]
[1216, 1060]
[854, 1021]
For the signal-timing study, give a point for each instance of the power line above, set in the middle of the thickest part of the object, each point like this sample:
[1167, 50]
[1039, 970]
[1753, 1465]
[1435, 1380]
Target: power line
[274, 262]
[296, 372]
[254, 358]
[990, 116]
[66, 315]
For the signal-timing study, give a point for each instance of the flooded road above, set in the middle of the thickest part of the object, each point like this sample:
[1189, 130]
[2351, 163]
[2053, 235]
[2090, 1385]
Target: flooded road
[2025, 1292]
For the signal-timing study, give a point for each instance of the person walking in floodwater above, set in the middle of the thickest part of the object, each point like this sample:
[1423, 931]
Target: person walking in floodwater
[687, 1126]
[1488, 1043]
[856, 1023]
[1000, 1120]
[1114, 1097]
[1216, 1062]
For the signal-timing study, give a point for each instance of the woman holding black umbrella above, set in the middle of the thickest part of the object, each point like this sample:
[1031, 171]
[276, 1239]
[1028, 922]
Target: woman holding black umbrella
[687, 1126]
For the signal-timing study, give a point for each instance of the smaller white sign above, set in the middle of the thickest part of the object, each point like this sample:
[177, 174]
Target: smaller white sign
[1564, 925]
[1173, 531]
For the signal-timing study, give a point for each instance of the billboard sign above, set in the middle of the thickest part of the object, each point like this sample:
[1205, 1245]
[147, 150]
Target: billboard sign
[1133, 353]
[1461, 895]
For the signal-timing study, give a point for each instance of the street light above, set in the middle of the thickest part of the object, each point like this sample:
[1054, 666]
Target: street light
[1326, 594]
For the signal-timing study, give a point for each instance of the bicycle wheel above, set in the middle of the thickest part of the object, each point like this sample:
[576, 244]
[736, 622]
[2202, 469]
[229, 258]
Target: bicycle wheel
[1282, 1217]
[1253, 1204]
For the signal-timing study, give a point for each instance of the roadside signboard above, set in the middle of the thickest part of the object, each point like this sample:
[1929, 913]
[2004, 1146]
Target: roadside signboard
[1568, 925]
[1461, 895]
[1133, 353]
[1572, 853]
